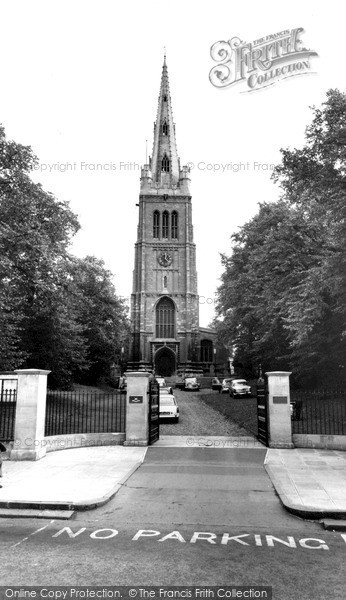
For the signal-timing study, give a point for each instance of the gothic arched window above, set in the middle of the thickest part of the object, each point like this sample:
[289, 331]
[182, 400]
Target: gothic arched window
[165, 281]
[156, 224]
[165, 319]
[206, 351]
[165, 163]
[174, 225]
[165, 127]
[165, 224]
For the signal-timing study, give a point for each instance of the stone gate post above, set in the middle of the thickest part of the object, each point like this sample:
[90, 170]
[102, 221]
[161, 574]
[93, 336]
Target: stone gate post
[30, 415]
[279, 412]
[137, 409]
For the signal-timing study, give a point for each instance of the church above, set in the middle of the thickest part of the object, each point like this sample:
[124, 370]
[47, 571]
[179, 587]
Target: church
[166, 335]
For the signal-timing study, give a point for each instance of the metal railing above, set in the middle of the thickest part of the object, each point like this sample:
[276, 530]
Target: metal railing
[320, 412]
[84, 412]
[8, 403]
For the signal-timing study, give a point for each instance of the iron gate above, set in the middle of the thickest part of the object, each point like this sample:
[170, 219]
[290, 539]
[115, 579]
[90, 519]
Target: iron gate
[8, 403]
[262, 411]
[154, 411]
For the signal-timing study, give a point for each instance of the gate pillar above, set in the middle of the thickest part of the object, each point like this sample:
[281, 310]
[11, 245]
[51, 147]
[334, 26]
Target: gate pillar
[137, 409]
[279, 412]
[30, 415]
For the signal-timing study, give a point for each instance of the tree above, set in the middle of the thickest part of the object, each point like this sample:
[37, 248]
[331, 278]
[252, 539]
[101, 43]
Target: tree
[282, 297]
[101, 314]
[56, 311]
[313, 180]
[270, 255]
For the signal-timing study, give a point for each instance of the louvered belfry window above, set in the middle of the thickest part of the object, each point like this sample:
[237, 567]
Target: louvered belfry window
[165, 317]
[156, 224]
[174, 225]
[165, 163]
[165, 128]
[165, 224]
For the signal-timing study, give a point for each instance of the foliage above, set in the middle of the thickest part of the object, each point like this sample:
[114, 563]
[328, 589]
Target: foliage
[101, 314]
[282, 297]
[49, 316]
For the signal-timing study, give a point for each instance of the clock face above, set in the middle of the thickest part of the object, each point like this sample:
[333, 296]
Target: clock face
[165, 259]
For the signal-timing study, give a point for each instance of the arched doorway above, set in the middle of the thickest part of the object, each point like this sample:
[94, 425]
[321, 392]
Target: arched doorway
[165, 362]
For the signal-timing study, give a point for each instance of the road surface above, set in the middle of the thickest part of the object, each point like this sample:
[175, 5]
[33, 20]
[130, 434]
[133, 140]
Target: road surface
[188, 516]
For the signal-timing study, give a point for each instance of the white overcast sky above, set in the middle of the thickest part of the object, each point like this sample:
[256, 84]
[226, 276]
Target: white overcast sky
[80, 83]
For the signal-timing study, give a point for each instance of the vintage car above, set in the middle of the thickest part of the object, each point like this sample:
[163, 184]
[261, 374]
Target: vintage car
[191, 384]
[225, 385]
[169, 408]
[239, 387]
[216, 384]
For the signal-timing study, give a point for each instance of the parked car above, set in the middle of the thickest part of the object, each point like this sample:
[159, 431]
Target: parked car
[240, 387]
[191, 384]
[166, 389]
[168, 407]
[180, 383]
[161, 381]
[225, 385]
[216, 384]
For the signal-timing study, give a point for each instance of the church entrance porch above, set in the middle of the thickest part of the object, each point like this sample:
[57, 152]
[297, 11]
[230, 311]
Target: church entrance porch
[165, 362]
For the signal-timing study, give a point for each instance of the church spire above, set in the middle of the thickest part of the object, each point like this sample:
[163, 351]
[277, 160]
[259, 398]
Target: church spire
[165, 161]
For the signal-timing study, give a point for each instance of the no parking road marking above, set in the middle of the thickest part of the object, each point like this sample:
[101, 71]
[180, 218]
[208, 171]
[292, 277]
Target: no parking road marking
[197, 537]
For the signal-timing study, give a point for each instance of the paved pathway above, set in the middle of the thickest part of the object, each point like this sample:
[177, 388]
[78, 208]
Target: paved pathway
[80, 477]
[310, 483]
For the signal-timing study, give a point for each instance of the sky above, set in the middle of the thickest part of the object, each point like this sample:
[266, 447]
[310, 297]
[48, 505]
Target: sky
[80, 84]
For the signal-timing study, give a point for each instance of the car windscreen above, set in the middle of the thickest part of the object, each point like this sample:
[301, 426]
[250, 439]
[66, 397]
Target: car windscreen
[240, 382]
[167, 400]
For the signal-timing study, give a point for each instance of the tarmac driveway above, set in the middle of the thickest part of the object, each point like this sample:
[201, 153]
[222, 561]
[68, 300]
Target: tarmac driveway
[197, 418]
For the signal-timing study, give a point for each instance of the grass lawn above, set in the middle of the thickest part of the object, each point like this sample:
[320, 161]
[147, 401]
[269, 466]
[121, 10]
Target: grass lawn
[242, 411]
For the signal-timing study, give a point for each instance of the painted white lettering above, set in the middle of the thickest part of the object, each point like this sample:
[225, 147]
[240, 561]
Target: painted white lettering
[145, 533]
[321, 544]
[290, 543]
[258, 540]
[203, 535]
[100, 534]
[174, 535]
[69, 532]
[226, 538]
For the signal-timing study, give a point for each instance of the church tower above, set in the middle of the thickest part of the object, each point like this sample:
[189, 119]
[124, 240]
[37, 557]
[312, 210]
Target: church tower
[164, 301]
